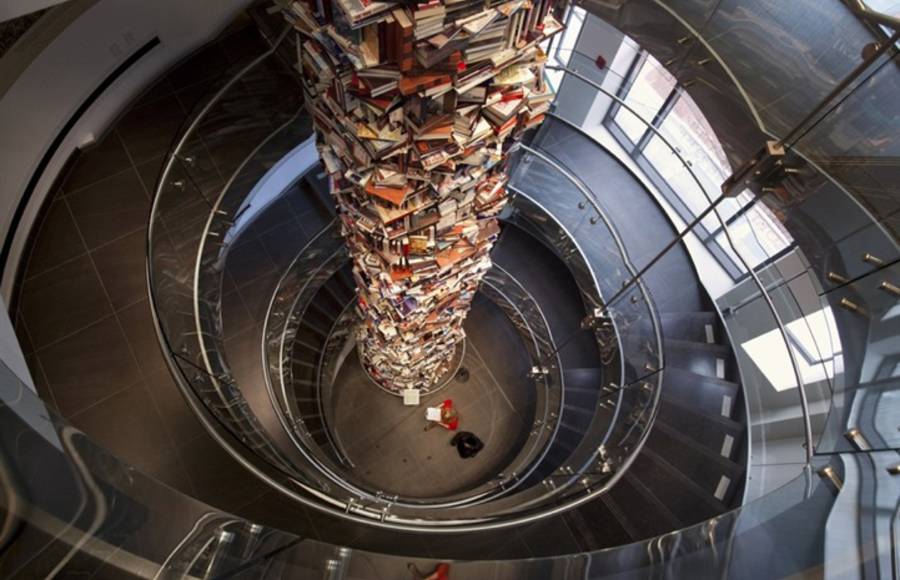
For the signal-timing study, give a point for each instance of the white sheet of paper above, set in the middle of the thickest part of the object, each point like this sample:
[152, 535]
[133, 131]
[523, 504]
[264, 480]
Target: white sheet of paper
[411, 397]
[433, 413]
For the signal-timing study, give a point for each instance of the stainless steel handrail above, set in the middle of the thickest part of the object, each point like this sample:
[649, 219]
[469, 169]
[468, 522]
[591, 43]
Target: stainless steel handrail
[349, 510]
[186, 133]
[635, 277]
[469, 499]
[592, 458]
[712, 209]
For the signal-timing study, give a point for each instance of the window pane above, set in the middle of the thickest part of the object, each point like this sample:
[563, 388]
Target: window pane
[631, 125]
[646, 97]
[686, 129]
[678, 178]
[757, 236]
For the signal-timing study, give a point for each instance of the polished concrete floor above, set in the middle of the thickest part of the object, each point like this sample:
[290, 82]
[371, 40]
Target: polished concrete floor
[82, 311]
[84, 321]
[83, 318]
[387, 441]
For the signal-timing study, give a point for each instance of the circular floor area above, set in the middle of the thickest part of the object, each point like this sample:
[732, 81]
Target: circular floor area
[387, 441]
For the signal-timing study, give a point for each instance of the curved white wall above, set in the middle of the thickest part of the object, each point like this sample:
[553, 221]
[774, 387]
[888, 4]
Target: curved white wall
[61, 77]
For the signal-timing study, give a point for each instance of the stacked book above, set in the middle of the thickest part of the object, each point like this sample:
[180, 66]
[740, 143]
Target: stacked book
[415, 106]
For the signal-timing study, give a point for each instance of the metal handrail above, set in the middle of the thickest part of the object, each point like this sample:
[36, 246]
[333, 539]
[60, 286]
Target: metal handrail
[635, 277]
[592, 458]
[186, 133]
[321, 367]
[861, 9]
[351, 510]
[470, 500]
[712, 209]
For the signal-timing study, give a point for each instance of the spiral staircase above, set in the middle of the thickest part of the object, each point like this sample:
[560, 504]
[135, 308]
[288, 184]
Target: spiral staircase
[631, 441]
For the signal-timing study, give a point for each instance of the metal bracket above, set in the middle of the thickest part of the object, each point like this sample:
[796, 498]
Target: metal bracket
[761, 174]
[831, 475]
[857, 439]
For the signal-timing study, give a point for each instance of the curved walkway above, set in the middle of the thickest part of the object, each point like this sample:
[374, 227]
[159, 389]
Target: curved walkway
[83, 319]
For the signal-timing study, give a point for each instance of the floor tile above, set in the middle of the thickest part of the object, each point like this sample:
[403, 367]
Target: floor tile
[207, 62]
[149, 131]
[218, 479]
[235, 316]
[229, 143]
[123, 268]
[161, 88]
[275, 214]
[97, 161]
[148, 172]
[284, 243]
[62, 300]
[243, 44]
[88, 366]
[314, 220]
[388, 443]
[128, 425]
[178, 418]
[248, 261]
[110, 208]
[257, 294]
[55, 240]
[198, 94]
[140, 330]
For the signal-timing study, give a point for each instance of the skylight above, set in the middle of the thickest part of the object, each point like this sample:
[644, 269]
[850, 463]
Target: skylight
[816, 346]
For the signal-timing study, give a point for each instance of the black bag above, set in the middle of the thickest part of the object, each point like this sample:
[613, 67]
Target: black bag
[467, 444]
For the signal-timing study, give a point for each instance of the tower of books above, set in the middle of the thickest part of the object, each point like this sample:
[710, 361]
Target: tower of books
[415, 106]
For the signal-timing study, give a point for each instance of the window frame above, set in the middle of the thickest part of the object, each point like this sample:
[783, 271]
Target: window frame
[635, 151]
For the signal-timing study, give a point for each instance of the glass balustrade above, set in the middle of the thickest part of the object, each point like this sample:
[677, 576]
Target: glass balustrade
[207, 194]
[98, 517]
[805, 279]
[779, 318]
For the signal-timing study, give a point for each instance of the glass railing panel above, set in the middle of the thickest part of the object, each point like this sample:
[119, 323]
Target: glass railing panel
[532, 217]
[694, 13]
[574, 153]
[303, 278]
[864, 410]
[227, 145]
[539, 178]
[625, 330]
[310, 271]
[810, 47]
[77, 511]
[102, 513]
[545, 183]
[634, 319]
[857, 144]
[173, 245]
